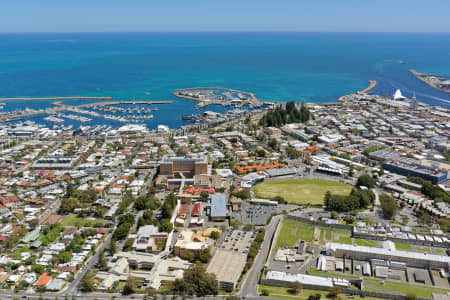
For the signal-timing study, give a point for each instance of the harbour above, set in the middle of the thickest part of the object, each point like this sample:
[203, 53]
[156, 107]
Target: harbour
[439, 82]
[206, 96]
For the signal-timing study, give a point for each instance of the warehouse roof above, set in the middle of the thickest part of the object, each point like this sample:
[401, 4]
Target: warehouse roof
[389, 252]
[218, 205]
[301, 278]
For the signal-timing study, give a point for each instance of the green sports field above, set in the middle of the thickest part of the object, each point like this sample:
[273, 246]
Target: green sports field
[300, 191]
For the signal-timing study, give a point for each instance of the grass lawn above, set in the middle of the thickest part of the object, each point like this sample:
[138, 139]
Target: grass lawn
[73, 220]
[406, 288]
[401, 246]
[282, 293]
[293, 230]
[300, 191]
[345, 240]
[366, 243]
[314, 271]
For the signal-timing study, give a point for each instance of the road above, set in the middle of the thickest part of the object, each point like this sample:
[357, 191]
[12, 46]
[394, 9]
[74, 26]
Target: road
[248, 288]
[72, 289]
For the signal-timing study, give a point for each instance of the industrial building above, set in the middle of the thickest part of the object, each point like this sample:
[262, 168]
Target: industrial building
[410, 167]
[218, 210]
[284, 279]
[55, 162]
[414, 259]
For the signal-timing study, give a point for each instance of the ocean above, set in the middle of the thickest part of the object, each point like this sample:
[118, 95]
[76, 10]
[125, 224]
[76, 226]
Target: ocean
[308, 67]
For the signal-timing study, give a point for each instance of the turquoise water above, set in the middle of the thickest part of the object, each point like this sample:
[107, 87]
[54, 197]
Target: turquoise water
[310, 67]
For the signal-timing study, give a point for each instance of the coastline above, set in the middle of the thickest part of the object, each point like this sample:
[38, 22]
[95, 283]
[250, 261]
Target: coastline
[422, 77]
[372, 84]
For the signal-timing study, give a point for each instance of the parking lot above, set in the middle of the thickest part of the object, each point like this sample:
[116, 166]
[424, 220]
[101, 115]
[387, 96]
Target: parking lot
[255, 213]
[238, 240]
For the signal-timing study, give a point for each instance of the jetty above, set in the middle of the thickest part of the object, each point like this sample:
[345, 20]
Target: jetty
[106, 103]
[56, 98]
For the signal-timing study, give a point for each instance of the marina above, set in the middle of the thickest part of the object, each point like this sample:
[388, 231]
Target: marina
[220, 96]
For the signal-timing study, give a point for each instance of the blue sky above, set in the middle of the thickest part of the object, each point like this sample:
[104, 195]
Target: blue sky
[226, 15]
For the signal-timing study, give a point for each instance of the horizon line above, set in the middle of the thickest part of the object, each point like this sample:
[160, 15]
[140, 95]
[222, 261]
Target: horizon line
[222, 31]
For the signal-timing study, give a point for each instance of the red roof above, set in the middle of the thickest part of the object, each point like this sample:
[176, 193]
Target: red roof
[197, 209]
[44, 279]
[102, 230]
[183, 209]
[196, 191]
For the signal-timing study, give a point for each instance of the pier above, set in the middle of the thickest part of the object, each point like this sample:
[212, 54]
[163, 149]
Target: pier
[149, 102]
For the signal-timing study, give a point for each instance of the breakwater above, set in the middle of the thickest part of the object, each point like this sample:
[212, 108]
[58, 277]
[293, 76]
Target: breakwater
[56, 98]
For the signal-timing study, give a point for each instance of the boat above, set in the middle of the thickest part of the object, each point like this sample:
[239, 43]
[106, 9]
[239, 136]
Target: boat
[189, 118]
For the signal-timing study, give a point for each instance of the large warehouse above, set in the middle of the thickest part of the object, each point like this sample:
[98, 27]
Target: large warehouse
[227, 266]
[416, 259]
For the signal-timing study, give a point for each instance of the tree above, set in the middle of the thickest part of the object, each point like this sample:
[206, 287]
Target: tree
[130, 286]
[121, 232]
[388, 205]
[366, 180]
[333, 292]
[87, 282]
[141, 203]
[279, 199]
[196, 281]
[214, 235]
[296, 288]
[69, 204]
[204, 195]
[314, 297]
[165, 226]
[64, 257]
[102, 260]
[243, 194]
[410, 297]
[265, 293]
[112, 247]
